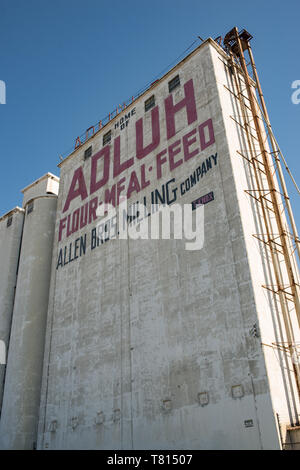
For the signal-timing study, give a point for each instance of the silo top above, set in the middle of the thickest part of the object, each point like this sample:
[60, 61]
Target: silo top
[47, 184]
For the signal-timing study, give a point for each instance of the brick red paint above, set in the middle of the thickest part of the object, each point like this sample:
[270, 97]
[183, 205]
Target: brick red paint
[142, 151]
[78, 178]
[187, 102]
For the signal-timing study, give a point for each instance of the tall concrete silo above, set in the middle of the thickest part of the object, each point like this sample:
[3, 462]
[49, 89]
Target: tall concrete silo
[25, 355]
[11, 227]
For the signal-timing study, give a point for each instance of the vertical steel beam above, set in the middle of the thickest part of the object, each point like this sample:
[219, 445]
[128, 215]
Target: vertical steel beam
[271, 183]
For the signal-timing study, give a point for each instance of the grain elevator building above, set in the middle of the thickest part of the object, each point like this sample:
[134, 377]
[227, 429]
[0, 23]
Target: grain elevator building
[141, 343]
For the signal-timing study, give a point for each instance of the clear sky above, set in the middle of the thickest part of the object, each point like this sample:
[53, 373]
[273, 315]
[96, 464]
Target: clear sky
[68, 63]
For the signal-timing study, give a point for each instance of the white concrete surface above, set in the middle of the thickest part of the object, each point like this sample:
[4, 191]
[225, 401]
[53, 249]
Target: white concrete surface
[148, 345]
[139, 331]
[21, 399]
[10, 242]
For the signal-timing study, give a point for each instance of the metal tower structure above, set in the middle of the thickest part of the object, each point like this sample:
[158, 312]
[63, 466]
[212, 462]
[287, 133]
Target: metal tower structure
[264, 156]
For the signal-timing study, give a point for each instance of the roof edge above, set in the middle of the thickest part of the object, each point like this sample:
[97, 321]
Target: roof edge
[207, 41]
[11, 212]
[47, 175]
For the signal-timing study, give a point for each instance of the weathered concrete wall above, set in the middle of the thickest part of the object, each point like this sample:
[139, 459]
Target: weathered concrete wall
[149, 345]
[19, 418]
[10, 243]
[269, 323]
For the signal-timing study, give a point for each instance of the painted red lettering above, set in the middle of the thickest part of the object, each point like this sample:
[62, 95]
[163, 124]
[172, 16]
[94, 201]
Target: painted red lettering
[93, 204]
[95, 185]
[120, 188]
[171, 109]
[134, 185]
[159, 161]
[75, 220]
[83, 215]
[144, 182]
[187, 142]
[142, 151]
[120, 167]
[110, 196]
[62, 225]
[172, 152]
[78, 178]
[204, 143]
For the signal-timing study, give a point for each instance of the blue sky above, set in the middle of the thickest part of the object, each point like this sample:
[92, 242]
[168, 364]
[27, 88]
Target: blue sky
[67, 63]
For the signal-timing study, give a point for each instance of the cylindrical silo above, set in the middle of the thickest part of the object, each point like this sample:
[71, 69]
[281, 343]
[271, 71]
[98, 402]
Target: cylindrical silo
[18, 425]
[11, 226]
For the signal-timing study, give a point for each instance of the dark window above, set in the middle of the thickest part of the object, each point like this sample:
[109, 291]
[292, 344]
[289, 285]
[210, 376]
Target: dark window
[30, 207]
[149, 103]
[174, 83]
[107, 138]
[9, 221]
[88, 153]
